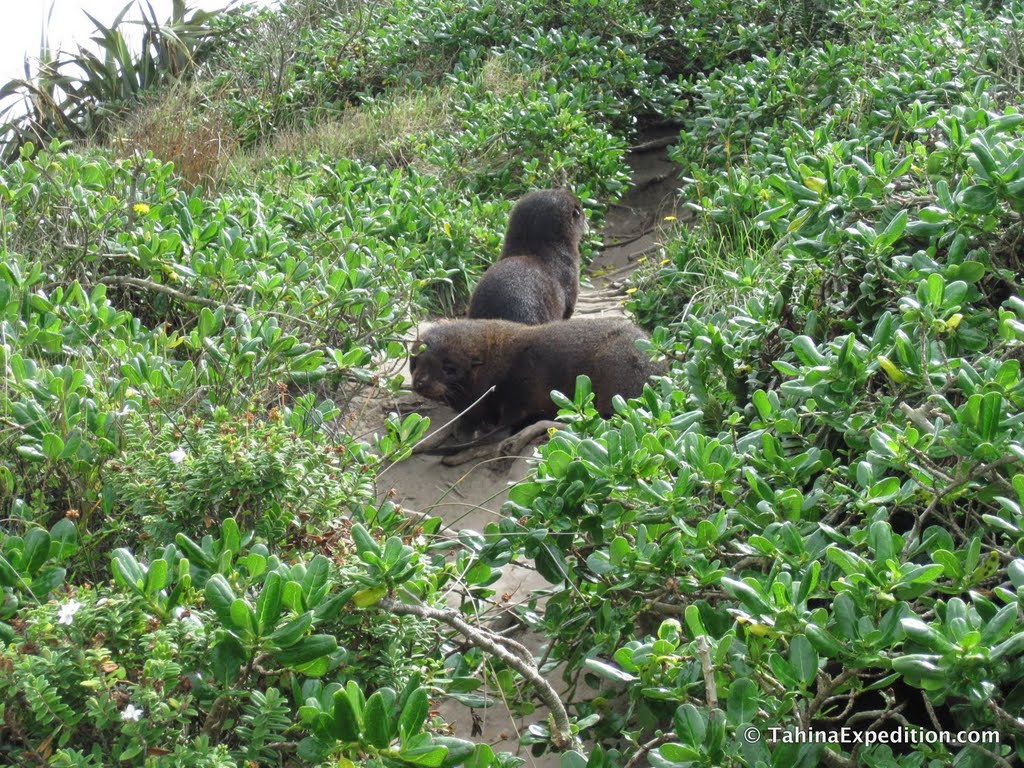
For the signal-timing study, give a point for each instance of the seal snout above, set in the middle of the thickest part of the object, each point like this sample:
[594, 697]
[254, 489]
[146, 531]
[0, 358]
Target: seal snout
[423, 384]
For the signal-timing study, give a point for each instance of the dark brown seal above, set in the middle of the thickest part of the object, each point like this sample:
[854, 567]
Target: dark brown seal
[459, 360]
[537, 278]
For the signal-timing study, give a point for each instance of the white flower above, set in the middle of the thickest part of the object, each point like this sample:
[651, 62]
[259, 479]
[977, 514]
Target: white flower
[67, 612]
[131, 712]
[177, 456]
[187, 617]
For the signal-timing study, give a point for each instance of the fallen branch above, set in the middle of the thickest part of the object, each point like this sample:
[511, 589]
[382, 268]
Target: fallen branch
[149, 285]
[512, 653]
[513, 446]
[466, 455]
[431, 440]
[174, 293]
[647, 146]
[490, 438]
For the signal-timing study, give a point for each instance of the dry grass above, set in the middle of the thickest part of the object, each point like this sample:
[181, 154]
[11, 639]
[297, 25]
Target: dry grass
[498, 80]
[391, 132]
[182, 127]
[382, 133]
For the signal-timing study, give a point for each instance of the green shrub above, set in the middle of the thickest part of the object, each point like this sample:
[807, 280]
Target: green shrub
[816, 514]
[188, 478]
[210, 642]
[814, 520]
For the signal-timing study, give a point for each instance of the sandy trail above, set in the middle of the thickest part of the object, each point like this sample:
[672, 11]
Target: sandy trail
[471, 496]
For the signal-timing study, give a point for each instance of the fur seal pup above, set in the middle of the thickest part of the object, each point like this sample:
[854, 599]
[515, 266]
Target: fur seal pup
[460, 360]
[537, 278]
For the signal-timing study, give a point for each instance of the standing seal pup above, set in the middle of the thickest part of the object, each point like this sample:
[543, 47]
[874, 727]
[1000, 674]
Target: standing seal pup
[537, 278]
[459, 360]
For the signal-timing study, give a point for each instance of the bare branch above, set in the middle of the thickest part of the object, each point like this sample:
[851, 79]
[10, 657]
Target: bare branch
[654, 743]
[149, 285]
[512, 653]
[1013, 723]
[710, 688]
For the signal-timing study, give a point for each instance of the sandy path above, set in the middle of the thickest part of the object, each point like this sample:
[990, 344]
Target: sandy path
[470, 496]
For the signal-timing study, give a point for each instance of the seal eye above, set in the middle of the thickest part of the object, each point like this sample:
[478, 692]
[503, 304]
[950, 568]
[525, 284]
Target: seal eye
[576, 213]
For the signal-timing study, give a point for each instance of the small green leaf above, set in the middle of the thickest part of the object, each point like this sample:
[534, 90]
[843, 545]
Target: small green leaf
[156, 576]
[344, 725]
[226, 659]
[127, 570]
[742, 703]
[37, 550]
[230, 536]
[762, 404]
[220, 596]
[892, 233]
[306, 650]
[459, 750]
[803, 659]
[292, 632]
[53, 446]
[807, 351]
[268, 604]
[363, 541]
[377, 723]
[243, 617]
[414, 713]
[63, 539]
[608, 671]
[979, 199]
[690, 724]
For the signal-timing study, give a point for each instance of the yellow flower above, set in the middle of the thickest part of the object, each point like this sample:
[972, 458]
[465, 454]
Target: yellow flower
[630, 291]
[141, 208]
[670, 218]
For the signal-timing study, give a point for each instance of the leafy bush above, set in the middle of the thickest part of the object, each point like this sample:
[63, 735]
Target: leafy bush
[187, 478]
[211, 641]
[815, 516]
[814, 521]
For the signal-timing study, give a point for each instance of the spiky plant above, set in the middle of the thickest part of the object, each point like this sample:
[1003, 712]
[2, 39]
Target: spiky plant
[76, 95]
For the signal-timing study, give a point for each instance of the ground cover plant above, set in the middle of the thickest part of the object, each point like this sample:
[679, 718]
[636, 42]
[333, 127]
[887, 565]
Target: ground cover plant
[813, 522]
